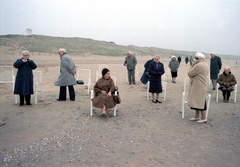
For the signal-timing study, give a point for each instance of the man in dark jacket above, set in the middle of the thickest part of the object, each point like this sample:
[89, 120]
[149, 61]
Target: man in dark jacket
[215, 67]
[130, 62]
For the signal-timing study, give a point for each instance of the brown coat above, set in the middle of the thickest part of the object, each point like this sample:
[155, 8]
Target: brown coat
[198, 84]
[226, 78]
[100, 99]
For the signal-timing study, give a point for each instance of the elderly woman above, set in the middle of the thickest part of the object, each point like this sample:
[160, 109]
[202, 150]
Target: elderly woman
[156, 70]
[24, 78]
[227, 81]
[104, 89]
[173, 65]
[198, 73]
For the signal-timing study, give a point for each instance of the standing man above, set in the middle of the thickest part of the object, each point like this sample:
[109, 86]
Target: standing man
[215, 67]
[179, 59]
[66, 77]
[130, 62]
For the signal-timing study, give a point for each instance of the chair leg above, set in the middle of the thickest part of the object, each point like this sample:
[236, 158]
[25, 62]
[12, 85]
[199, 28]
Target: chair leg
[183, 102]
[208, 104]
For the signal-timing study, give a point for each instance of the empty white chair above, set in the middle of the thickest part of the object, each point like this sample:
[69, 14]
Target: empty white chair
[7, 76]
[233, 93]
[85, 76]
[37, 85]
[185, 97]
[99, 72]
[93, 94]
[164, 88]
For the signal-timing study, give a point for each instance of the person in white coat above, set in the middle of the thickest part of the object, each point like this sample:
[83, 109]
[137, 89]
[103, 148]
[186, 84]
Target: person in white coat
[66, 77]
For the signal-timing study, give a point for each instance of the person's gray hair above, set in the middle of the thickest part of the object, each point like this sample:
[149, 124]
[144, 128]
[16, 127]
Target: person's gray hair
[156, 56]
[25, 52]
[212, 53]
[129, 52]
[63, 50]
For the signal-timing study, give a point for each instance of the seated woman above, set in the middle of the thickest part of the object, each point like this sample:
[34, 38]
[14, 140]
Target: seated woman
[104, 90]
[226, 81]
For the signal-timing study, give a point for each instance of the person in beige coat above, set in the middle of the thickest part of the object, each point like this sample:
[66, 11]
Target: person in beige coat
[198, 73]
[104, 90]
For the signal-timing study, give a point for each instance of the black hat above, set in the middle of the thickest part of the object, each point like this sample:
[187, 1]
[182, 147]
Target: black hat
[104, 71]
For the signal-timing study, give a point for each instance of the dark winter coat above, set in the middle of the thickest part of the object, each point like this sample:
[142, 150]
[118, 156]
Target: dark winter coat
[24, 78]
[145, 76]
[215, 67]
[156, 70]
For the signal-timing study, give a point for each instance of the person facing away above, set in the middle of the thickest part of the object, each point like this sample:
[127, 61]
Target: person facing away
[156, 70]
[66, 77]
[186, 59]
[226, 81]
[198, 73]
[130, 62]
[191, 60]
[215, 67]
[24, 79]
[145, 76]
[173, 65]
[179, 59]
[104, 90]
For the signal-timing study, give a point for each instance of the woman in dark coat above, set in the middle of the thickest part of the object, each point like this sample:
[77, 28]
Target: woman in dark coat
[104, 88]
[156, 70]
[24, 78]
[145, 76]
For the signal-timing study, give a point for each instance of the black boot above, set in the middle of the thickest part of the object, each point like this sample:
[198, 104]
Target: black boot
[21, 97]
[28, 99]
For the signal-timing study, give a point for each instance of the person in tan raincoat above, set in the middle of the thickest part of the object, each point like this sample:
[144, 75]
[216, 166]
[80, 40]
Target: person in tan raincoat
[198, 73]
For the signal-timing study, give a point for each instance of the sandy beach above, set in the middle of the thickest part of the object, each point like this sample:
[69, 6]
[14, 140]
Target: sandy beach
[143, 134]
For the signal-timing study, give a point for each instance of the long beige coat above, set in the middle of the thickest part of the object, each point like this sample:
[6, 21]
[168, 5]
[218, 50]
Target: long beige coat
[100, 99]
[198, 75]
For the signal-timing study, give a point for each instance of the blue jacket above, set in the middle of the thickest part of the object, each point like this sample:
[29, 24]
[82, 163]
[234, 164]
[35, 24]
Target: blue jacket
[24, 78]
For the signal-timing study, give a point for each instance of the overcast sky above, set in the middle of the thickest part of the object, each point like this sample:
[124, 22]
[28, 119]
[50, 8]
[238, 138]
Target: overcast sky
[190, 25]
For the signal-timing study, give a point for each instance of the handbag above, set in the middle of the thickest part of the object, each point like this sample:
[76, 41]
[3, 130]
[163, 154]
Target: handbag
[80, 82]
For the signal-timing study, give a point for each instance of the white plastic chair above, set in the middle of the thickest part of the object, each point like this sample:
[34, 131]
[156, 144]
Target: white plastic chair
[85, 76]
[233, 96]
[185, 97]
[7, 76]
[164, 88]
[93, 94]
[100, 67]
[37, 85]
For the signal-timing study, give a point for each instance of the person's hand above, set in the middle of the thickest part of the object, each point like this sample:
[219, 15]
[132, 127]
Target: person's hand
[109, 94]
[24, 60]
[103, 92]
[74, 72]
[226, 84]
[124, 64]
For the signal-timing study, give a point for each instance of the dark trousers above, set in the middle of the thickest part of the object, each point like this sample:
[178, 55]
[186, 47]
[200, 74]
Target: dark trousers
[27, 99]
[226, 91]
[131, 76]
[63, 92]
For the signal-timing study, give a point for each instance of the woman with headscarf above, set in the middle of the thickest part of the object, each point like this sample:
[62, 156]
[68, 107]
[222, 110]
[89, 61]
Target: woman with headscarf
[104, 90]
[173, 65]
[198, 73]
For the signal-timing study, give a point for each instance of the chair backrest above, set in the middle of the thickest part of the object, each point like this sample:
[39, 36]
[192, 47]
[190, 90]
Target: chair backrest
[84, 75]
[37, 76]
[114, 80]
[6, 74]
[101, 66]
[186, 87]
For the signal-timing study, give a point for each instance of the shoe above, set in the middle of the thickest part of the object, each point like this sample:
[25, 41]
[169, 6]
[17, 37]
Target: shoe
[60, 100]
[154, 101]
[72, 99]
[130, 83]
[202, 121]
[227, 101]
[134, 83]
[157, 101]
[194, 119]
[213, 88]
[21, 104]
[29, 104]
